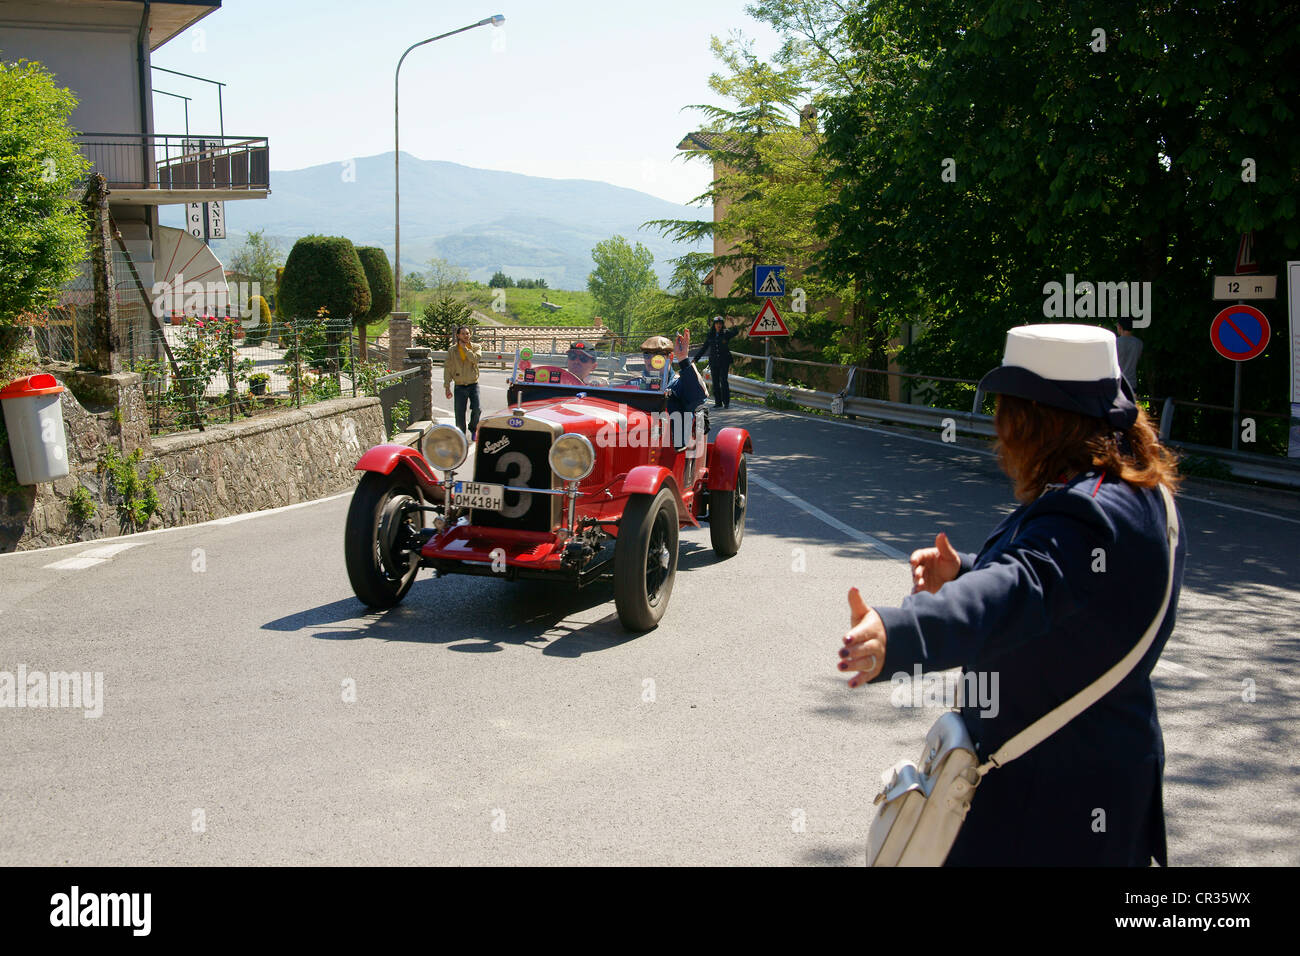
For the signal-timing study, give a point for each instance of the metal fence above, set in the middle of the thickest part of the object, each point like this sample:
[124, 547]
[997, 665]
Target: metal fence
[65, 334]
[197, 371]
[401, 397]
[169, 161]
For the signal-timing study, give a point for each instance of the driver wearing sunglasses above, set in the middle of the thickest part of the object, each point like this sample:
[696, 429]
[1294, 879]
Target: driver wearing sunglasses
[582, 362]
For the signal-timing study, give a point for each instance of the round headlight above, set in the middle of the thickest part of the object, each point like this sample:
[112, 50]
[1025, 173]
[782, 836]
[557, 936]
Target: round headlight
[572, 457]
[445, 447]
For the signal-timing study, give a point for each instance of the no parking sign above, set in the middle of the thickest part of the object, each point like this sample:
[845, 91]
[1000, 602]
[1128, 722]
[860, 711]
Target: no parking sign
[1240, 332]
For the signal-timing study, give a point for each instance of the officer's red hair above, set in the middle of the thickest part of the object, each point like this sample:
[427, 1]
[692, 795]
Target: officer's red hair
[1038, 444]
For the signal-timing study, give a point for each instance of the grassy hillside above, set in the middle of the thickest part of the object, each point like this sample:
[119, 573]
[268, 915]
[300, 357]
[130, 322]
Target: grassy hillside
[522, 306]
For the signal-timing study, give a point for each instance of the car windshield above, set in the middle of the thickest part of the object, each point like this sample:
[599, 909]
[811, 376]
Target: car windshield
[593, 368]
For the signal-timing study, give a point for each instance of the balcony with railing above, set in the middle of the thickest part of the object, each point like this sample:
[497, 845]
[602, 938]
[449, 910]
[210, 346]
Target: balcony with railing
[160, 169]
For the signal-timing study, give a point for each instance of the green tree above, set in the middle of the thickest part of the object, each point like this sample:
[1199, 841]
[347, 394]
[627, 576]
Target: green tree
[444, 275]
[435, 326]
[769, 182]
[324, 273]
[500, 280]
[413, 282]
[42, 225]
[622, 283]
[379, 276]
[257, 306]
[258, 258]
[987, 149]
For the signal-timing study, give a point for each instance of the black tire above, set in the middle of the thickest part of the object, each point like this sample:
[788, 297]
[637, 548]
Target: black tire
[378, 538]
[643, 573]
[727, 515]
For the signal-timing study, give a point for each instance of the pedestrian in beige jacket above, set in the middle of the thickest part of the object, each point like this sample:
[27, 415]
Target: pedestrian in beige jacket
[461, 370]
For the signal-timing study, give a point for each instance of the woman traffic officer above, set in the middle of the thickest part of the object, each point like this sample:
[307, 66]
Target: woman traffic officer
[1061, 591]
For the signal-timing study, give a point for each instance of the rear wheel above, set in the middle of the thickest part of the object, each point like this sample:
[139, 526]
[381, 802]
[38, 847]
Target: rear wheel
[381, 541]
[645, 559]
[727, 515]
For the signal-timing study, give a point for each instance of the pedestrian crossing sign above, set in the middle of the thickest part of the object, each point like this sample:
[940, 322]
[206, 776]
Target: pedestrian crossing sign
[769, 281]
[768, 321]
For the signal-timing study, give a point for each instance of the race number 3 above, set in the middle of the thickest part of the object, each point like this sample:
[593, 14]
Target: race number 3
[523, 471]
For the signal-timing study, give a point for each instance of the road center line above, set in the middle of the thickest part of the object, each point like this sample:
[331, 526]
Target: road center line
[836, 523]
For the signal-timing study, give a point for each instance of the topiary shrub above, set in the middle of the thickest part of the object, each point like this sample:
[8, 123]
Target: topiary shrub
[379, 274]
[323, 272]
[324, 275]
[257, 306]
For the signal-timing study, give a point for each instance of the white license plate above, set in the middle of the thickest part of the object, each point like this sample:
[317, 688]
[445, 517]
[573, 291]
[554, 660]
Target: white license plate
[478, 494]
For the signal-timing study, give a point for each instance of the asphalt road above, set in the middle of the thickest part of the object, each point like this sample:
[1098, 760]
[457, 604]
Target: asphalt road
[254, 712]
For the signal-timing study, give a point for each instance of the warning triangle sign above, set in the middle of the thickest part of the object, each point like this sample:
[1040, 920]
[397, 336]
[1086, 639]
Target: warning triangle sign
[768, 321]
[1246, 255]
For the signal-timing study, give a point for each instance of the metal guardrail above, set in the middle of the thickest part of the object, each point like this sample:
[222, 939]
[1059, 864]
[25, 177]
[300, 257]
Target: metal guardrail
[876, 409]
[394, 376]
[1240, 464]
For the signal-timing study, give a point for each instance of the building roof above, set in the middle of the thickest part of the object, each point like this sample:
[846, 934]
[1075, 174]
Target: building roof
[704, 139]
[167, 18]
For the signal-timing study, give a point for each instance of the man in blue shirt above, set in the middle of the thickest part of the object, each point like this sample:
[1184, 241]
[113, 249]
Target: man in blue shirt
[685, 391]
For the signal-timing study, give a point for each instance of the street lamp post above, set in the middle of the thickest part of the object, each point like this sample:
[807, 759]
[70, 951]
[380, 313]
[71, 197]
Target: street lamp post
[495, 21]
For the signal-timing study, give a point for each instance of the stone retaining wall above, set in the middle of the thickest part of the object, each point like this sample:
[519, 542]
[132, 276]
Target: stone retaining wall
[265, 462]
[228, 469]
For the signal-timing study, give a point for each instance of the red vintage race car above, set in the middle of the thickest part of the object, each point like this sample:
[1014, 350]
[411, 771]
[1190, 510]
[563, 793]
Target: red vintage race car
[585, 475]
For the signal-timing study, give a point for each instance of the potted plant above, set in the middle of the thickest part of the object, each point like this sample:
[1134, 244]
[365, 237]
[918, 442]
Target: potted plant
[257, 383]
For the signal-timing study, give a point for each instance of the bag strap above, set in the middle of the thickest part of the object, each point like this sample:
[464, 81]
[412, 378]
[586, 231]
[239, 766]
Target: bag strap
[1055, 719]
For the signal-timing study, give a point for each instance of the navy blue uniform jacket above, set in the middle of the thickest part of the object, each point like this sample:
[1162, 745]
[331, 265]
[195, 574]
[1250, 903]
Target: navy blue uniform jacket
[1031, 607]
[716, 345]
[687, 389]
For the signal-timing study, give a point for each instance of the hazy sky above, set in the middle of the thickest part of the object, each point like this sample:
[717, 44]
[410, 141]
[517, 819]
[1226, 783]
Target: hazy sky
[558, 90]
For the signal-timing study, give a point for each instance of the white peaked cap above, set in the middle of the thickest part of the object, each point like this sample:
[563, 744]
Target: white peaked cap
[1063, 353]
[1074, 367]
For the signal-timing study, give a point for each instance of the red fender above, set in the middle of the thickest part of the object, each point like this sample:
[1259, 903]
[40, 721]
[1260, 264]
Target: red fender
[648, 479]
[725, 452]
[385, 458]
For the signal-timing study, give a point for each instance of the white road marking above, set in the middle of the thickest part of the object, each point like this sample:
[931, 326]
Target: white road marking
[834, 522]
[952, 447]
[179, 527]
[231, 519]
[108, 550]
[76, 564]
[1163, 664]
[1252, 511]
[93, 556]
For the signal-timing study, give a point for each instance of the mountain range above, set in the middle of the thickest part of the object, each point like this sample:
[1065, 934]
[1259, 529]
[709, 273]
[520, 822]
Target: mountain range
[479, 219]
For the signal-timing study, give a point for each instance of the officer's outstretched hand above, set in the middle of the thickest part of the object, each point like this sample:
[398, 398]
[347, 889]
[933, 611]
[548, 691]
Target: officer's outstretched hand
[864, 644]
[682, 348]
[932, 568]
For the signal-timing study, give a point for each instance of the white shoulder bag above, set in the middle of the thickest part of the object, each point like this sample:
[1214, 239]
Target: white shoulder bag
[921, 807]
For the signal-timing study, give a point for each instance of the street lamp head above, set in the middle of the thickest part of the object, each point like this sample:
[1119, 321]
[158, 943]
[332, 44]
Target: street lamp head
[496, 20]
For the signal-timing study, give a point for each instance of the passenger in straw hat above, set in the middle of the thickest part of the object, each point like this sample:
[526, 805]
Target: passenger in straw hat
[1060, 592]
